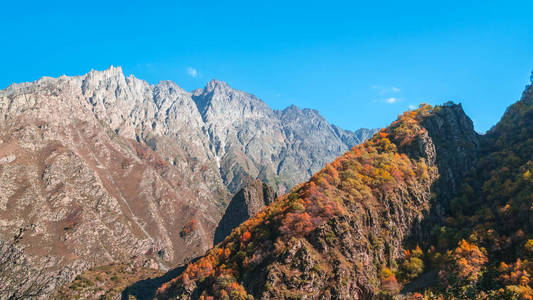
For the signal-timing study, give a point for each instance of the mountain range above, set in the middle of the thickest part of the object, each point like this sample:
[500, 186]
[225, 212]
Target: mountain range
[114, 188]
[101, 168]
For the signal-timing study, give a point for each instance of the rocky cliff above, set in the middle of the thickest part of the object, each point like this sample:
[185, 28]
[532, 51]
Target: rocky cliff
[482, 246]
[338, 235]
[247, 202]
[104, 168]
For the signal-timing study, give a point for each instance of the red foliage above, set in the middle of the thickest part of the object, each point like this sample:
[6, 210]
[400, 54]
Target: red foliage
[297, 224]
[389, 284]
[189, 227]
[146, 154]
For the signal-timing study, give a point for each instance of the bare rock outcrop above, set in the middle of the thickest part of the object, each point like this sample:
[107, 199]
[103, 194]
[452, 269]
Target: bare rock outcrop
[244, 204]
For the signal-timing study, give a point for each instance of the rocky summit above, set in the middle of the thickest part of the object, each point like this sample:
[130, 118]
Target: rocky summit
[103, 168]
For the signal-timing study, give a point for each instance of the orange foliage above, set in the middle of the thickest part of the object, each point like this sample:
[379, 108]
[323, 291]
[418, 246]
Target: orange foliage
[467, 263]
[469, 260]
[416, 296]
[514, 274]
[246, 236]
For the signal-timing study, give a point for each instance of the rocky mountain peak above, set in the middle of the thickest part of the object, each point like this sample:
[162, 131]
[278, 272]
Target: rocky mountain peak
[217, 85]
[311, 117]
[219, 99]
[111, 71]
[171, 86]
[292, 110]
[110, 74]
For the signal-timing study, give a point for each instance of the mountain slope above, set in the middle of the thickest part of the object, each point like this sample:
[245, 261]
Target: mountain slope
[339, 234]
[74, 194]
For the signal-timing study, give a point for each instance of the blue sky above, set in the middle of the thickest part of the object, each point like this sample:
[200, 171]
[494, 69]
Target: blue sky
[359, 63]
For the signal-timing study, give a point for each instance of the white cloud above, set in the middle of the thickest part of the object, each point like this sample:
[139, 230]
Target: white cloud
[387, 94]
[411, 106]
[192, 72]
[391, 100]
[383, 90]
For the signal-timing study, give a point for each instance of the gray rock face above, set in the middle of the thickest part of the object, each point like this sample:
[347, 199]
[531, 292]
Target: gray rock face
[250, 140]
[354, 137]
[247, 202]
[105, 168]
[457, 144]
[451, 146]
